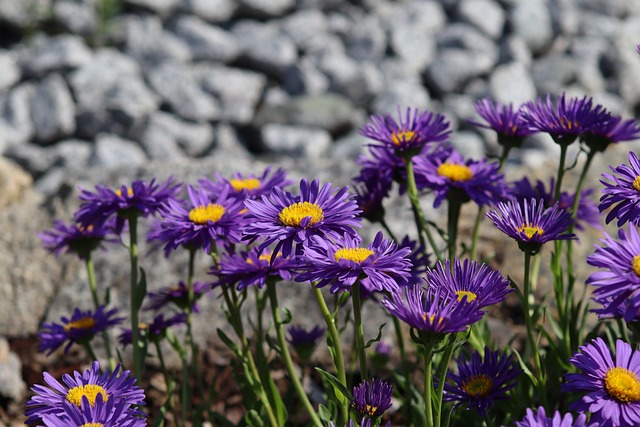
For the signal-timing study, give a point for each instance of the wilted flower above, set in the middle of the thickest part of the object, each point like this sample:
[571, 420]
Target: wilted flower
[155, 330]
[252, 268]
[505, 120]
[622, 194]
[304, 341]
[74, 238]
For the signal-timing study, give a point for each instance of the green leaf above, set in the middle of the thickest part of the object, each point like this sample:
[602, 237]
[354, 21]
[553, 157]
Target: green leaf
[228, 342]
[141, 289]
[324, 413]
[254, 419]
[175, 343]
[337, 385]
[377, 338]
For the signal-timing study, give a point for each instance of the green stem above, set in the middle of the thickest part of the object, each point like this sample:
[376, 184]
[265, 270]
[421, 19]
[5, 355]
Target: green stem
[442, 375]
[91, 276]
[405, 368]
[563, 157]
[359, 332]
[286, 355]
[167, 381]
[453, 213]
[135, 304]
[89, 350]
[428, 385]
[384, 225]
[476, 233]
[539, 375]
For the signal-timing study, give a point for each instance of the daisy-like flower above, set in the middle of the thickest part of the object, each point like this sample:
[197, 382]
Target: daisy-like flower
[366, 422]
[505, 120]
[531, 224]
[288, 220]
[86, 386]
[381, 266]
[252, 268]
[199, 225]
[304, 341]
[476, 282]
[142, 198]
[74, 238]
[539, 419]
[250, 186]
[456, 179]
[371, 398]
[80, 328]
[481, 381]
[177, 295]
[418, 257]
[618, 282]
[621, 192]
[371, 189]
[565, 121]
[612, 387]
[433, 310]
[109, 413]
[410, 133]
[155, 330]
[614, 130]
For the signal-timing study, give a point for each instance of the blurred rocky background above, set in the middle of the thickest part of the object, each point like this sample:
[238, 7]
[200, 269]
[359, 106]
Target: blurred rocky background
[107, 91]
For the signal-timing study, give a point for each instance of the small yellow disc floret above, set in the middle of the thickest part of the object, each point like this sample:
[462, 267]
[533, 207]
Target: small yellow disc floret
[292, 215]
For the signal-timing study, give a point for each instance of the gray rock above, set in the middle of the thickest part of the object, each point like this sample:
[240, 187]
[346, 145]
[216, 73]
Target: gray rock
[367, 40]
[76, 17]
[486, 15]
[589, 52]
[303, 25]
[512, 83]
[359, 80]
[427, 16]
[303, 77]
[177, 86]
[553, 72]
[158, 7]
[415, 47]
[453, 68]
[349, 147]
[16, 126]
[515, 49]
[206, 41]
[50, 183]
[600, 26]
[228, 143]
[239, 91]
[531, 20]
[72, 155]
[60, 53]
[296, 141]
[33, 158]
[565, 15]
[128, 103]
[626, 63]
[401, 93]
[614, 8]
[194, 139]
[265, 8]
[52, 110]
[210, 10]
[159, 145]
[112, 151]
[26, 13]
[469, 144]
[12, 386]
[10, 70]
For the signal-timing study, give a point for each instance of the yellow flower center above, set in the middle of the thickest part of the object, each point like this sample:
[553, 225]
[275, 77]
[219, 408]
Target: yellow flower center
[87, 229]
[129, 192]
[353, 254]
[371, 410]
[478, 386]
[470, 296]
[622, 384]
[458, 173]
[202, 214]
[266, 256]
[82, 323]
[143, 326]
[240, 184]
[293, 215]
[635, 265]
[92, 425]
[90, 391]
[530, 230]
[403, 136]
[636, 183]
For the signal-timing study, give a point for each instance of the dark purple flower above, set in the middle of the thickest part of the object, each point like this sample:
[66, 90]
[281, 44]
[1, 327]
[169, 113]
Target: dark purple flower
[418, 257]
[86, 386]
[74, 238]
[371, 398]
[530, 224]
[506, 121]
[612, 388]
[80, 328]
[381, 266]
[366, 422]
[155, 330]
[382, 164]
[251, 186]
[199, 225]
[304, 341]
[252, 268]
[454, 178]
[287, 220]
[109, 413]
[410, 133]
[470, 280]
[598, 137]
[481, 381]
[178, 295]
[622, 194]
[371, 189]
[540, 419]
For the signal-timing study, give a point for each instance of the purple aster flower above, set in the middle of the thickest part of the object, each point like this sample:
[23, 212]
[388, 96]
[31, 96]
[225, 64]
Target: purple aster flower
[506, 121]
[418, 257]
[141, 198]
[612, 387]
[565, 121]
[74, 238]
[252, 268]
[617, 284]
[80, 328]
[109, 413]
[481, 381]
[86, 386]
[410, 133]
[371, 398]
[622, 194]
[285, 219]
[250, 186]
[178, 295]
[530, 224]
[454, 178]
[155, 330]
[371, 189]
[382, 164]
[614, 130]
[433, 310]
[540, 419]
[470, 280]
[199, 225]
[366, 422]
[381, 266]
[304, 341]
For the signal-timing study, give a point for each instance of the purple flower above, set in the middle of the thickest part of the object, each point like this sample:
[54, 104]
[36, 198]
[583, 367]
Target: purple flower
[470, 280]
[178, 295]
[622, 195]
[86, 386]
[371, 189]
[80, 328]
[141, 198]
[530, 224]
[371, 398]
[155, 330]
[304, 341]
[433, 310]
[418, 257]
[285, 219]
[109, 413]
[612, 388]
[74, 238]
[457, 179]
[540, 419]
[611, 131]
[381, 266]
[410, 133]
[202, 223]
[506, 121]
[480, 382]
[250, 186]
[618, 281]
[252, 268]
[366, 422]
